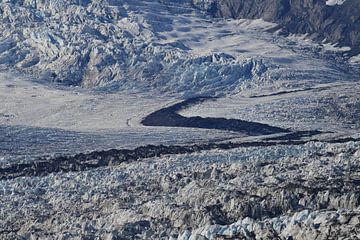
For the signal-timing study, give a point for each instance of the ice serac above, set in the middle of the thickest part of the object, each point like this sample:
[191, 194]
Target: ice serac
[333, 21]
[114, 43]
[168, 46]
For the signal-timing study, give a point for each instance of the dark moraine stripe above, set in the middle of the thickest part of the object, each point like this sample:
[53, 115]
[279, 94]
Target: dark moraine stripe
[169, 117]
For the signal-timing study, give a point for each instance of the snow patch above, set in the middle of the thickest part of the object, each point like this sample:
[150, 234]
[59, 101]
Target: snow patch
[355, 59]
[334, 2]
[334, 48]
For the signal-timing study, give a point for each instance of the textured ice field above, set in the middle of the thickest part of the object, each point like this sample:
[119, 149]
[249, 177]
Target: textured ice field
[176, 190]
[164, 47]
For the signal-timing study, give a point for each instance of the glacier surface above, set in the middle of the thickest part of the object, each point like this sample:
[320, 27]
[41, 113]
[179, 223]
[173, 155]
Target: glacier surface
[137, 46]
[78, 77]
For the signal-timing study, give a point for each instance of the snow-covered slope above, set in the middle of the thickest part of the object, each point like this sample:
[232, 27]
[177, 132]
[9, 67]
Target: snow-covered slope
[334, 2]
[332, 21]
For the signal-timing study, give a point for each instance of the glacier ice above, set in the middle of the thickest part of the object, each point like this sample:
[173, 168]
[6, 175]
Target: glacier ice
[100, 43]
[140, 46]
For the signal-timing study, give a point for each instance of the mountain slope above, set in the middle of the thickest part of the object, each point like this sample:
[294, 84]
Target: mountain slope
[338, 23]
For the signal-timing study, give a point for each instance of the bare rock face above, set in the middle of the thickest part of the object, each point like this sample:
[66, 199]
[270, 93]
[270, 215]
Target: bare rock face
[338, 24]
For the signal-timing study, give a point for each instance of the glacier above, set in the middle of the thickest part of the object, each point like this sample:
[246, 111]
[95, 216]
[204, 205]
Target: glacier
[141, 46]
[80, 78]
[114, 44]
